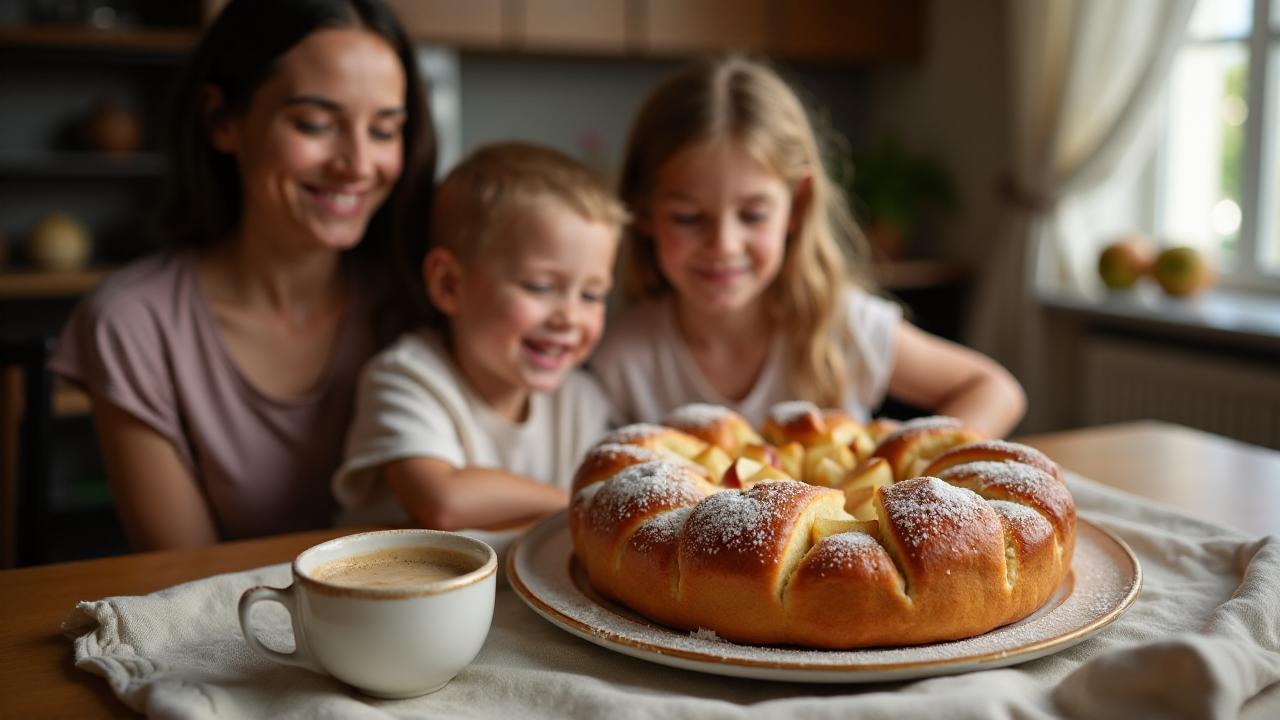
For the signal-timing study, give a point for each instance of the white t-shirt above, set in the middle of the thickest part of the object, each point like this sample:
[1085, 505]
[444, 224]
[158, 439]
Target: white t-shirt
[412, 402]
[648, 370]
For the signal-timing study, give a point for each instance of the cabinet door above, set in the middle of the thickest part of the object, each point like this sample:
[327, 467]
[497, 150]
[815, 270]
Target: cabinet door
[849, 29]
[699, 26]
[467, 23]
[594, 26]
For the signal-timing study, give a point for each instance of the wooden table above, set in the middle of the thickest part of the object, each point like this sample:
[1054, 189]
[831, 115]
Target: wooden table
[37, 677]
[1227, 482]
[1221, 480]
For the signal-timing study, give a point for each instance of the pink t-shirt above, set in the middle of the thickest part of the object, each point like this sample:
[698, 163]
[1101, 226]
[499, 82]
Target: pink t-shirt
[147, 342]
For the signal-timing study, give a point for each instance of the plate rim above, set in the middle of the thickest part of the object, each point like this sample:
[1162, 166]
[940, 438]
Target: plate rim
[800, 671]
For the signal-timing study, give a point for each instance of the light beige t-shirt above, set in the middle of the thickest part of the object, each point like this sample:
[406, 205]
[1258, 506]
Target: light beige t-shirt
[147, 342]
[412, 402]
[648, 370]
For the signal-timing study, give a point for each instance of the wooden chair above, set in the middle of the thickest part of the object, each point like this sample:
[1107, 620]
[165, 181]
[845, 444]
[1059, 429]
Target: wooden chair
[26, 393]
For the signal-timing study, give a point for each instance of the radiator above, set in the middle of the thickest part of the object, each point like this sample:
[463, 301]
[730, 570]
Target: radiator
[1126, 380]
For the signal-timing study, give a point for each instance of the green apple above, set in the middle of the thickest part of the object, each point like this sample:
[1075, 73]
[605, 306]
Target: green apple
[1125, 260]
[1183, 271]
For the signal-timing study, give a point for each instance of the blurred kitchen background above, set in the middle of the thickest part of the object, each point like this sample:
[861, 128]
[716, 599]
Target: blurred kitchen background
[991, 148]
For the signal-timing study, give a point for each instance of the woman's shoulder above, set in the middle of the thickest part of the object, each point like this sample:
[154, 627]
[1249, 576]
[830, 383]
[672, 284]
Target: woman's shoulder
[148, 285]
[130, 326]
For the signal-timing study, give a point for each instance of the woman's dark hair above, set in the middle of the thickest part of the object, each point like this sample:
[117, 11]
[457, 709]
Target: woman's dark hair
[236, 54]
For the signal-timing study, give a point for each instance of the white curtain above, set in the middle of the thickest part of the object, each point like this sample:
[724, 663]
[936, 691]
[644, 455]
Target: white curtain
[1085, 76]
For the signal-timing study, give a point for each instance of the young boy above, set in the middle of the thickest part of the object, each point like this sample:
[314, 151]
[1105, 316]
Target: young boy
[480, 420]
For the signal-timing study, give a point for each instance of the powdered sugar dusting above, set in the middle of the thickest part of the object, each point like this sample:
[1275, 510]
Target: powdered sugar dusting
[1020, 483]
[614, 452]
[662, 529]
[696, 415]
[641, 490]
[742, 522]
[1017, 451]
[1015, 478]
[922, 424]
[622, 454]
[784, 413]
[587, 494]
[844, 550]
[633, 433]
[1025, 521]
[923, 507]
[707, 635]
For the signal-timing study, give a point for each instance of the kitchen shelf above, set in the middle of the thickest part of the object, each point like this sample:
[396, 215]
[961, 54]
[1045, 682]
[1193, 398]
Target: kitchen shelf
[34, 284]
[70, 165]
[918, 274]
[77, 37]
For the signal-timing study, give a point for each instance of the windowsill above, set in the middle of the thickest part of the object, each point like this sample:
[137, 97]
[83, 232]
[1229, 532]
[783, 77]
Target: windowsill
[1220, 315]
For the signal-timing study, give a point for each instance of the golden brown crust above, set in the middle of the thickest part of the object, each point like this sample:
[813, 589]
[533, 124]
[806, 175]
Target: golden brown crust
[984, 543]
[799, 421]
[658, 437]
[998, 450]
[880, 428]
[714, 425]
[606, 459]
[910, 448]
[603, 516]
[1022, 484]
[737, 552]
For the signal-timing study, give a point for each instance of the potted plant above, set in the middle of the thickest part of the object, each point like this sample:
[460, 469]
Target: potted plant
[894, 192]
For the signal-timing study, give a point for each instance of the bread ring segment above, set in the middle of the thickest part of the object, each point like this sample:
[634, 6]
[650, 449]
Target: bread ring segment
[1025, 485]
[716, 425]
[738, 552]
[910, 448]
[995, 450]
[605, 515]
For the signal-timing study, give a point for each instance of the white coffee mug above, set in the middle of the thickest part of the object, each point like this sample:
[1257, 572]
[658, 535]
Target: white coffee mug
[387, 641]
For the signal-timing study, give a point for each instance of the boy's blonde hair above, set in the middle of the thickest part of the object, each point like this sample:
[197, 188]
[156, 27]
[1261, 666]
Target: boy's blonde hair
[513, 175]
[747, 102]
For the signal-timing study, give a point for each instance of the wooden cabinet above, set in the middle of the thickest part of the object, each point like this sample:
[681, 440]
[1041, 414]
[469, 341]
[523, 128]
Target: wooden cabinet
[696, 26]
[848, 29]
[572, 26]
[466, 23]
[823, 30]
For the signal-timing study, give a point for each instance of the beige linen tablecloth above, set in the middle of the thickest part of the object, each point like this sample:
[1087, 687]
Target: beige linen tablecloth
[1202, 641]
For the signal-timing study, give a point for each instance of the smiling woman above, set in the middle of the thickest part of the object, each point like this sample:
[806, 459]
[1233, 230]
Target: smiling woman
[222, 371]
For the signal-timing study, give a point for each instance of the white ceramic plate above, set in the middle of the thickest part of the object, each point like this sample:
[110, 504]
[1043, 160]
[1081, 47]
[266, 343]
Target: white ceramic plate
[1105, 581]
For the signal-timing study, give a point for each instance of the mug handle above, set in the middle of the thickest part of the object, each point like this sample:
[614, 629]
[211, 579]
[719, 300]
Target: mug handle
[301, 655]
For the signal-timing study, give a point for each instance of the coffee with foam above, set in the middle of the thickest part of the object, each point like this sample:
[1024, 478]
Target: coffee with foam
[405, 567]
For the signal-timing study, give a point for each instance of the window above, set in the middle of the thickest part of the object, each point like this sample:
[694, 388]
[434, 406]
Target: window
[1220, 157]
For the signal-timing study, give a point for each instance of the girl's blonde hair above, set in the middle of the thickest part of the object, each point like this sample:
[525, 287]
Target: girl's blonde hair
[747, 102]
